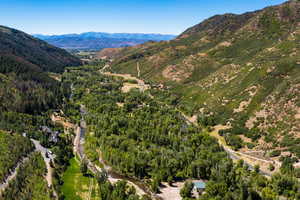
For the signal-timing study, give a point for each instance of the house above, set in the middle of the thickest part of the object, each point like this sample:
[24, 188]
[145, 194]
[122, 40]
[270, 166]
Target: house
[53, 135]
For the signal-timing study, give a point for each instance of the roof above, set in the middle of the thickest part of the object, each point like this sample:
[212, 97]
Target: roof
[199, 185]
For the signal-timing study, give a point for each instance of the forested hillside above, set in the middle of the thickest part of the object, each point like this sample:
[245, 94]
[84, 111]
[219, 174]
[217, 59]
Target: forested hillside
[150, 121]
[27, 93]
[241, 71]
[24, 63]
[34, 51]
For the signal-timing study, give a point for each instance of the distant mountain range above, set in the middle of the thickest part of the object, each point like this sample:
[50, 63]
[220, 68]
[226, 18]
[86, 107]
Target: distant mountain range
[100, 40]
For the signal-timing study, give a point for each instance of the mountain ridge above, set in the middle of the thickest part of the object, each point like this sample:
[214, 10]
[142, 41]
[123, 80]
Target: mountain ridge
[112, 35]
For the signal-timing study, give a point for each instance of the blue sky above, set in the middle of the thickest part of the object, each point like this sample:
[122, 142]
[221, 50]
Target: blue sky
[131, 16]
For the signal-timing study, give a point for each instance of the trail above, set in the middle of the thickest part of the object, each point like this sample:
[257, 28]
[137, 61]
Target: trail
[138, 69]
[249, 160]
[140, 83]
[79, 142]
[104, 68]
[127, 86]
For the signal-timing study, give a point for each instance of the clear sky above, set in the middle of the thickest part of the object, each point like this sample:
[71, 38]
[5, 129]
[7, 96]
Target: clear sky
[131, 16]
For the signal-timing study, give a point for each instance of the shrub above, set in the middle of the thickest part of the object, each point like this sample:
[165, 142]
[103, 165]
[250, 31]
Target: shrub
[223, 132]
[275, 153]
[234, 140]
[186, 191]
[271, 167]
[250, 145]
[297, 173]
[132, 81]
[287, 141]
[83, 168]
[206, 120]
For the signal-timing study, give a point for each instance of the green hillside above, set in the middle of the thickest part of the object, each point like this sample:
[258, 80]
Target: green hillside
[237, 70]
[27, 93]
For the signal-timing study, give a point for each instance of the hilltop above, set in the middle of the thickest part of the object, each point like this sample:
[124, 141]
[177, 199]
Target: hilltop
[241, 71]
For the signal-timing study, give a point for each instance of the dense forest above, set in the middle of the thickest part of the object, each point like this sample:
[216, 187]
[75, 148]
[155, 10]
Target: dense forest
[32, 50]
[118, 191]
[12, 149]
[25, 88]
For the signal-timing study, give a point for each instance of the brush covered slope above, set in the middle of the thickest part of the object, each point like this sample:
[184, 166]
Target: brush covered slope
[242, 71]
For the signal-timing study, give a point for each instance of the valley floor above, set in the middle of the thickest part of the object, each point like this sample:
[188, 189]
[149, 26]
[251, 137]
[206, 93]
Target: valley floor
[251, 160]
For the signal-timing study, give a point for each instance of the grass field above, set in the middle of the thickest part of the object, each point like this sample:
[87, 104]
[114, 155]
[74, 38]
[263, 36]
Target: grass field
[76, 186]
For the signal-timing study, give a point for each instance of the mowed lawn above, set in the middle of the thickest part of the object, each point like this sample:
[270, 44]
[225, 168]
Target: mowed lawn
[76, 186]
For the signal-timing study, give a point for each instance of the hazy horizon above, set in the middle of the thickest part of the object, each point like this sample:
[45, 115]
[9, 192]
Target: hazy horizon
[100, 32]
